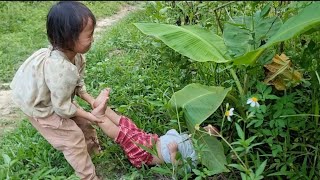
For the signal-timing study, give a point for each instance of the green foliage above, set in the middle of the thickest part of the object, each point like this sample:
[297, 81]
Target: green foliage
[307, 19]
[25, 154]
[245, 33]
[103, 9]
[23, 30]
[279, 139]
[198, 102]
[195, 43]
[275, 125]
[211, 153]
[141, 86]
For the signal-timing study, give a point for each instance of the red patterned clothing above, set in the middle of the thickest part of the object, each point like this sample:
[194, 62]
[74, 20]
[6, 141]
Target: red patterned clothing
[129, 134]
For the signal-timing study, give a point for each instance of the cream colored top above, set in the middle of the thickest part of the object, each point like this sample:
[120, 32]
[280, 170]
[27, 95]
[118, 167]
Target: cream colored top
[47, 82]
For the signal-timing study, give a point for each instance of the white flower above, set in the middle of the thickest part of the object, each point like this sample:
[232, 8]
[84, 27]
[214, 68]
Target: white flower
[253, 102]
[229, 114]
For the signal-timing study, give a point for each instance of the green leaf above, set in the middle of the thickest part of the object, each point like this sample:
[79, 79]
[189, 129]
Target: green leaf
[212, 153]
[272, 97]
[196, 172]
[249, 140]
[265, 10]
[237, 37]
[239, 131]
[239, 149]
[282, 173]
[307, 19]
[161, 170]
[242, 39]
[6, 159]
[237, 166]
[42, 173]
[244, 176]
[194, 42]
[151, 150]
[248, 58]
[260, 169]
[198, 102]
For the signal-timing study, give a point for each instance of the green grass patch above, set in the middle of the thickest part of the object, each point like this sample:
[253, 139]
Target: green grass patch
[23, 30]
[142, 77]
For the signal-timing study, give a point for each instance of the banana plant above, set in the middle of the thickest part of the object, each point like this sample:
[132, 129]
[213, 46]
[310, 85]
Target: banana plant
[307, 20]
[203, 45]
[198, 102]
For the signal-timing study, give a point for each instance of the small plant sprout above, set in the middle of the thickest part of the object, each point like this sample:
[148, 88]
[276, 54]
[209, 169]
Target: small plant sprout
[253, 101]
[212, 130]
[229, 113]
[197, 127]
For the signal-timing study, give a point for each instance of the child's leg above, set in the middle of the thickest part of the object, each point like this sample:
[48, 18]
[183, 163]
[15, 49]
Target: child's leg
[109, 128]
[90, 134]
[113, 116]
[101, 97]
[65, 136]
[101, 108]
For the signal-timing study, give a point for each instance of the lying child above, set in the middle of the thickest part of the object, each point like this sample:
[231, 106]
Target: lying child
[124, 132]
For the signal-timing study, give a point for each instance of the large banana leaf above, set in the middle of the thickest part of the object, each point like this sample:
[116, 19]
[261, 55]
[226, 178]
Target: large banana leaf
[237, 34]
[194, 42]
[212, 153]
[198, 102]
[304, 21]
[308, 18]
[249, 57]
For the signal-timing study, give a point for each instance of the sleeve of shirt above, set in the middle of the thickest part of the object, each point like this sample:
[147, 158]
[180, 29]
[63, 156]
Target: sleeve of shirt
[61, 78]
[81, 86]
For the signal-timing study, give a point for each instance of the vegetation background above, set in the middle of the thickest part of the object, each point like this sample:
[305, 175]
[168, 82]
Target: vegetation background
[277, 140]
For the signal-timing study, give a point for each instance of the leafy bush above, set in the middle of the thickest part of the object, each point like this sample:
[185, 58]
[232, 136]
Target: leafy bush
[276, 140]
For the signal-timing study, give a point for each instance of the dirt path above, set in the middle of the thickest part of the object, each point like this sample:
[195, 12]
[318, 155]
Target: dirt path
[10, 115]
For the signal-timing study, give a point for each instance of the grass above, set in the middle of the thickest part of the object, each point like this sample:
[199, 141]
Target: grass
[142, 78]
[143, 74]
[142, 81]
[23, 30]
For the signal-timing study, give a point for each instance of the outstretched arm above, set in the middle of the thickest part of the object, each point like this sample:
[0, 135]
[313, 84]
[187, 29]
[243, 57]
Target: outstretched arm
[88, 98]
[84, 114]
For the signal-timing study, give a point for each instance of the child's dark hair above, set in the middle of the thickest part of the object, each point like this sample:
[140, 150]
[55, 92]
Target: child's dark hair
[65, 21]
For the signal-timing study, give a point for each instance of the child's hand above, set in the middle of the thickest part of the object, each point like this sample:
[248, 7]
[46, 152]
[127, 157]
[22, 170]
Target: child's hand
[173, 147]
[95, 119]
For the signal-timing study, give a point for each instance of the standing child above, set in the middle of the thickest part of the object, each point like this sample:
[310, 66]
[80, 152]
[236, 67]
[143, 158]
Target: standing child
[124, 132]
[45, 84]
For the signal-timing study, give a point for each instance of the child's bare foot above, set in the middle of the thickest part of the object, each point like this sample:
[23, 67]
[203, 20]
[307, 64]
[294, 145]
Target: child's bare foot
[101, 109]
[101, 97]
[100, 103]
